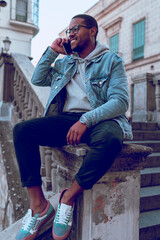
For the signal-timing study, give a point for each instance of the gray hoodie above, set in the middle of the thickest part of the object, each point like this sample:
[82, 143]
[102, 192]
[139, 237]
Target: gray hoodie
[77, 100]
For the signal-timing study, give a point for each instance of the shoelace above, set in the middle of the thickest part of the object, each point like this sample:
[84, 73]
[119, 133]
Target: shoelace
[29, 223]
[25, 217]
[62, 218]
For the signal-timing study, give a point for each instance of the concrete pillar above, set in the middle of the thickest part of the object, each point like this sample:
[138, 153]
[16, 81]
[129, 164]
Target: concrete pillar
[156, 82]
[6, 78]
[143, 98]
[6, 86]
[48, 159]
[42, 154]
[110, 210]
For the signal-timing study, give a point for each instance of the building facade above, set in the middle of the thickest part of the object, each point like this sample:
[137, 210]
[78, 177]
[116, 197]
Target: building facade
[19, 22]
[131, 29]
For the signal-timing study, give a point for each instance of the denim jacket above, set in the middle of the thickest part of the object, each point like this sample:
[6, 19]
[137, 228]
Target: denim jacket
[105, 81]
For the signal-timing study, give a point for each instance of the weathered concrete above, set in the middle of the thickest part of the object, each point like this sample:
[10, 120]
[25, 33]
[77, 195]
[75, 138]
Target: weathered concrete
[112, 207]
[113, 202]
[13, 198]
[6, 207]
[11, 232]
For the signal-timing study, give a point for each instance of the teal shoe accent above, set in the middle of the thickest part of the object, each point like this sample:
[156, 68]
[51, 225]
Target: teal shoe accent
[63, 221]
[31, 225]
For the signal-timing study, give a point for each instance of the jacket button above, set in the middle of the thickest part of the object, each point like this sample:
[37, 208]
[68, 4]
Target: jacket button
[56, 87]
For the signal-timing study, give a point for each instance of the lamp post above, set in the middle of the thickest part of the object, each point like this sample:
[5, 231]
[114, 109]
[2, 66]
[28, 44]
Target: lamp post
[3, 3]
[7, 44]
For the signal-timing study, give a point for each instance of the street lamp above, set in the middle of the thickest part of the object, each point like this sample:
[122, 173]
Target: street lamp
[3, 3]
[7, 44]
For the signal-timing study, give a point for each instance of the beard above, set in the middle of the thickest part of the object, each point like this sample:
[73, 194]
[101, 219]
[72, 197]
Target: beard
[79, 47]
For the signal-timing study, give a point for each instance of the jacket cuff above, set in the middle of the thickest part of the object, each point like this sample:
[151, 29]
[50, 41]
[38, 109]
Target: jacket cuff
[51, 53]
[83, 120]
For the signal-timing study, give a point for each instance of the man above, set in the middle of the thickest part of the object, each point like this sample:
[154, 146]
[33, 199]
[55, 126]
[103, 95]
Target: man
[88, 101]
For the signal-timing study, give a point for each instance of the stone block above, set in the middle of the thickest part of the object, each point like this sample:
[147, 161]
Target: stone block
[110, 206]
[113, 202]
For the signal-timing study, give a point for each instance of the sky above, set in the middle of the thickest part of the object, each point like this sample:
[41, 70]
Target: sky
[54, 16]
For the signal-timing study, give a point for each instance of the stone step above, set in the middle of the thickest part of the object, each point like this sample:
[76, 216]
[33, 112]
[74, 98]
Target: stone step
[153, 144]
[146, 135]
[150, 177]
[149, 225]
[10, 232]
[144, 126]
[149, 198]
[153, 160]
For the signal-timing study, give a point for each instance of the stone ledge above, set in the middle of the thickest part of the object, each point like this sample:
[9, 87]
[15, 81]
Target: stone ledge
[132, 156]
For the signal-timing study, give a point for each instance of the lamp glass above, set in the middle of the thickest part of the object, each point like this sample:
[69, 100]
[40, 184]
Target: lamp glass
[7, 43]
[3, 3]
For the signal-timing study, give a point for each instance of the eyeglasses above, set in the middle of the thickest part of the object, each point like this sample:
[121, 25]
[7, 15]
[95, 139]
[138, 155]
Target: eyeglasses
[75, 29]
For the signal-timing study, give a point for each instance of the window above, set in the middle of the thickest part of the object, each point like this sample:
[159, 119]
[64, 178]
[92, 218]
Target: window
[113, 42]
[139, 40]
[21, 10]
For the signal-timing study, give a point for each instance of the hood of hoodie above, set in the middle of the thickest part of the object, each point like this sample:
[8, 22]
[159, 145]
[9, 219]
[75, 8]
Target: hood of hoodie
[98, 51]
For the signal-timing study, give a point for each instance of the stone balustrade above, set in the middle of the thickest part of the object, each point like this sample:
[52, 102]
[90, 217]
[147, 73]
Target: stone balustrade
[26, 103]
[28, 100]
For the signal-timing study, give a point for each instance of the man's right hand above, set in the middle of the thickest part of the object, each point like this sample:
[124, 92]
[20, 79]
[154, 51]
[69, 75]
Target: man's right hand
[57, 45]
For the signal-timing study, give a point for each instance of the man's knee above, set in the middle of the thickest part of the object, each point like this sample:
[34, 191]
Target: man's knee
[108, 137]
[115, 142]
[19, 130]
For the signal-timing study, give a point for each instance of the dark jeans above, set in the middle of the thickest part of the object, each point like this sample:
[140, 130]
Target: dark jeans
[104, 139]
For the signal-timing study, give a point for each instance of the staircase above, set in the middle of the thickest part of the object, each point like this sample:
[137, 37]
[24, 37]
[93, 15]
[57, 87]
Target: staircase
[149, 134]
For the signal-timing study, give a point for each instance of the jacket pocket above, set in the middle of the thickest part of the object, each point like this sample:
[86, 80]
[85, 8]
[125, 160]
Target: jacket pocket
[56, 77]
[100, 86]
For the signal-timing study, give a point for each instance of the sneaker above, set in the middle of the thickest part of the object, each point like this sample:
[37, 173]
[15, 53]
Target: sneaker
[31, 225]
[63, 221]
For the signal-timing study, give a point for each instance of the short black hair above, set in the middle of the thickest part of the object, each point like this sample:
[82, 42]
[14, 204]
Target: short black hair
[88, 20]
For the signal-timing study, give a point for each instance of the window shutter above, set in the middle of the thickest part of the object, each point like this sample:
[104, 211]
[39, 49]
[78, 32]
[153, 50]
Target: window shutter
[114, 43]
[139, 40]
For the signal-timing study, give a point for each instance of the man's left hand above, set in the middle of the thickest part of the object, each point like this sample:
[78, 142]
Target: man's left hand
[75, 133]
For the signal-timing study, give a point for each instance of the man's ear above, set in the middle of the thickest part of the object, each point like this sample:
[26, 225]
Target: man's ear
[93, 31]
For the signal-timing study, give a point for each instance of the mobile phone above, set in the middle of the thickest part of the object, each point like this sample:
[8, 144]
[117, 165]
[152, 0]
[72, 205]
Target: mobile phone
[67, 48]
